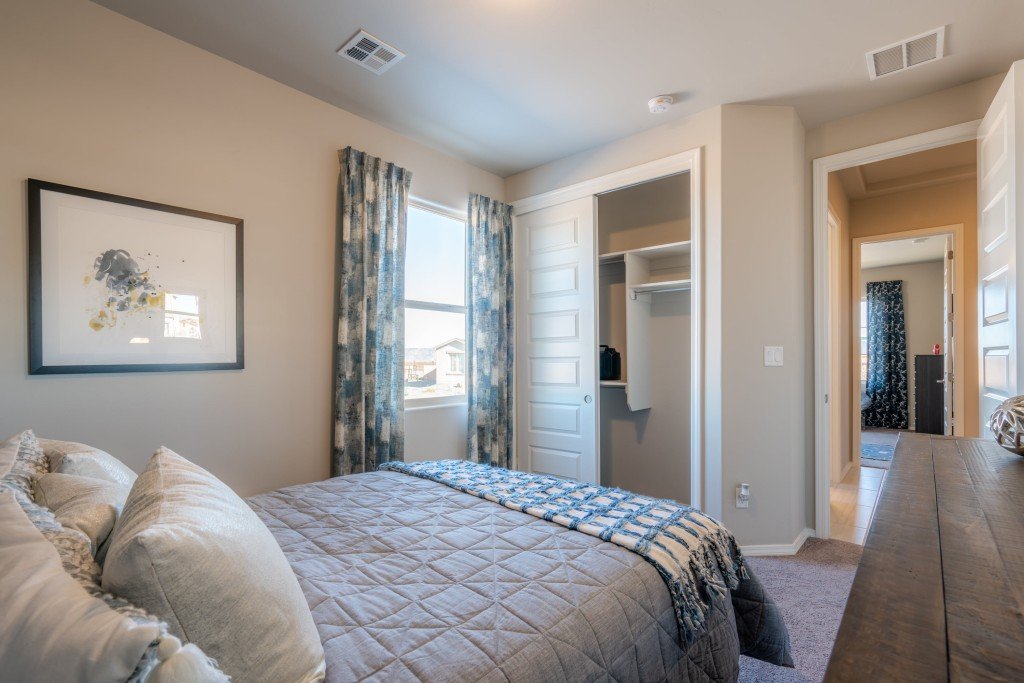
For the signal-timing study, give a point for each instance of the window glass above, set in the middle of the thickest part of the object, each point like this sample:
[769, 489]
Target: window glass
[435, 310]
[435, 353]
[435, 262]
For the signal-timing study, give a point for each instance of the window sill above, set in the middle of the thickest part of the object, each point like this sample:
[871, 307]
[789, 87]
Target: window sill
[433, 402]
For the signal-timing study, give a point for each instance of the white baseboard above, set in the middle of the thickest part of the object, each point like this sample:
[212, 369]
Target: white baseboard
[846, 470]
[780, 549]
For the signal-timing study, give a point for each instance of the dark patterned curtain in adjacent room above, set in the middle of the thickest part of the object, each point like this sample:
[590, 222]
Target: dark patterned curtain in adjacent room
[887, 357]
[491, 330]
[373, 200]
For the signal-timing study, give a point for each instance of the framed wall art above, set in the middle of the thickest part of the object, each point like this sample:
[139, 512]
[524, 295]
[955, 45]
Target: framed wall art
[126, 285]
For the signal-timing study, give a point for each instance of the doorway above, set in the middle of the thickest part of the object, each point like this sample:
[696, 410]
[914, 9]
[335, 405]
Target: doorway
[896, 198]
[903, 363]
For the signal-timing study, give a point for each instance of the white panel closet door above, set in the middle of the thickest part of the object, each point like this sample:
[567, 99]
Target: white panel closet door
[556, 376]
[1000, 179]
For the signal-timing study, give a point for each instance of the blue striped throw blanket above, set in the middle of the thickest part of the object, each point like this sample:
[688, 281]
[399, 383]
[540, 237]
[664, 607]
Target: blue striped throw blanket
[695, 555]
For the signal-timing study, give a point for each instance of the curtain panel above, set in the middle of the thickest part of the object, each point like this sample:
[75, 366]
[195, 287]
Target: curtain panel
[373, 200]
[490, 274]
[887, 357]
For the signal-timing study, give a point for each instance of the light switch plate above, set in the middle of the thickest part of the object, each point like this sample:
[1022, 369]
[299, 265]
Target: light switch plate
[773, 356]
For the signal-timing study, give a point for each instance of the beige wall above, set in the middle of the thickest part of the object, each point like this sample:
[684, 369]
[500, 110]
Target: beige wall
[950, 204]
[922, 311]
[940, 109]
[766, 300]
[92, 99]
[840, 206]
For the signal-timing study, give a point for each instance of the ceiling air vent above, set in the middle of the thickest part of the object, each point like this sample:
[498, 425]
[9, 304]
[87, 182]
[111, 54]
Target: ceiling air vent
[906, 54]
[371, 53]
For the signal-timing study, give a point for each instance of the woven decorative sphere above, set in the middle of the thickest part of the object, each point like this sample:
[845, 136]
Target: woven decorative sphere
[1007, 424]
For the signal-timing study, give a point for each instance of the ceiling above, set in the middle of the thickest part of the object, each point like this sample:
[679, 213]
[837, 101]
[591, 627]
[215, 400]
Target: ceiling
[900, 252]
[912, 171]
[511, 84]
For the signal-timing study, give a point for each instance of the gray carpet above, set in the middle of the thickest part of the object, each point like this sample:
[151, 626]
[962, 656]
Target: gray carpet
[810, 588]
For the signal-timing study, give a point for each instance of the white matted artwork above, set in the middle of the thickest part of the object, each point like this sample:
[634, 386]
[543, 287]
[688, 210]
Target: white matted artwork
[126, 285]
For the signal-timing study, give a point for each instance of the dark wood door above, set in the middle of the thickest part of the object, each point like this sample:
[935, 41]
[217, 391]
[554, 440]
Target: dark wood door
[928, 394]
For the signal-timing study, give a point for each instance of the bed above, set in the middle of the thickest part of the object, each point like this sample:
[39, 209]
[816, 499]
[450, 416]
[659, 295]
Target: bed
[409, 579]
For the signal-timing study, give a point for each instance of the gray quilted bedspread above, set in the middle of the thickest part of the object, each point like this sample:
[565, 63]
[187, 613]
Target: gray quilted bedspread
[408, 579]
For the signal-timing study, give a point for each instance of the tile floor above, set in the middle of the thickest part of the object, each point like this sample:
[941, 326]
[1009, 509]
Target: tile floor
[853, 502]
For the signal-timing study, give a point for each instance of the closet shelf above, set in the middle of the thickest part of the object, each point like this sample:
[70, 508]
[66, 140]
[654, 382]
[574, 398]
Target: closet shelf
[620, 383]
[657, 251]
[666, 286]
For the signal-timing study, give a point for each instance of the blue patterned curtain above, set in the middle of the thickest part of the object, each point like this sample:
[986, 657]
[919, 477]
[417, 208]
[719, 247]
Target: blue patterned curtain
[490, 328]
[373, 199]
[887, 357]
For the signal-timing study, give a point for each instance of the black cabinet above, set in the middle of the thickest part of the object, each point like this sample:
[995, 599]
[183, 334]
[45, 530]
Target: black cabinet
[928, 394]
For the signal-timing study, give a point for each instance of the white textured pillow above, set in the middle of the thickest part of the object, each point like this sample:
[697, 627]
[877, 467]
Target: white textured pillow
[191, 552]
[84, 503]
[69, 457]
[50, 627]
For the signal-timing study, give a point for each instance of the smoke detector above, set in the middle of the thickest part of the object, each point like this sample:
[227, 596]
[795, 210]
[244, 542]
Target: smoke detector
[906, 54]
[371, 52]
[660, 104]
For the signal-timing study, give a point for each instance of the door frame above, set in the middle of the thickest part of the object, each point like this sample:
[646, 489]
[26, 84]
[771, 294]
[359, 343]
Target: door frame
[821, 167]
[959, 322]
[835, 308]
[705, 465]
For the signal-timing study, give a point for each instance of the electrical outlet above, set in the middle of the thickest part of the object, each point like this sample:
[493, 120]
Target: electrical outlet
[743, 496]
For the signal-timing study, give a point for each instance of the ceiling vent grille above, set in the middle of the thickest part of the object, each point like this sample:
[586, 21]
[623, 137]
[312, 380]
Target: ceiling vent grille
[906, 54]
[371, 53]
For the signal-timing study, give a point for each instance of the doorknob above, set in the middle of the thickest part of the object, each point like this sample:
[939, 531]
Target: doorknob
[588, 398]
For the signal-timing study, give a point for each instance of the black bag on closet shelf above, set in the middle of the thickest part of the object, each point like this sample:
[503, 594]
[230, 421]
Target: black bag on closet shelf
[611, 363]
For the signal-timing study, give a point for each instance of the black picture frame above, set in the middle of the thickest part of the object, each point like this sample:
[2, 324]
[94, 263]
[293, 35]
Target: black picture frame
[36, 361]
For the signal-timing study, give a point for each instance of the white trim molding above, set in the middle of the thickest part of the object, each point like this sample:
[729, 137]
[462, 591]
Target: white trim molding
[779, 549]
[652, 170]
[822, 166]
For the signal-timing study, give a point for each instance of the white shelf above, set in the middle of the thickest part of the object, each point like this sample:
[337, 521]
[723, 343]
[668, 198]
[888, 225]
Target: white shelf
[619, 383]
[656, 252]
[666, 286]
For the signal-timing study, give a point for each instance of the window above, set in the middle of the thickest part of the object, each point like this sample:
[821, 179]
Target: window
[863, 340]
[457, 362]
[435, 308]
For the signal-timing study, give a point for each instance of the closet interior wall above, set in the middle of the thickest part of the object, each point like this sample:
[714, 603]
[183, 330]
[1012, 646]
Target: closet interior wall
[646, 450]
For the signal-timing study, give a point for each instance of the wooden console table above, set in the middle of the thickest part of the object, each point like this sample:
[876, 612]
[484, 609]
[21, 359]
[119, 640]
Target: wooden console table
[939, 592]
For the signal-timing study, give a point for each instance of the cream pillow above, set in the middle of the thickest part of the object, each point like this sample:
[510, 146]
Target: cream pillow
[69, 457]
[83, 503]
[191, 552]
[50, 627]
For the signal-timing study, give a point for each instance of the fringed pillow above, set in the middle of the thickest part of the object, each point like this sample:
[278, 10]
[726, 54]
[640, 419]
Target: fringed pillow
[33, 572]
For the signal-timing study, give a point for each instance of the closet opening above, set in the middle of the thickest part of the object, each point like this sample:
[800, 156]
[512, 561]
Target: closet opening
[644, 314]
[616, 261]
